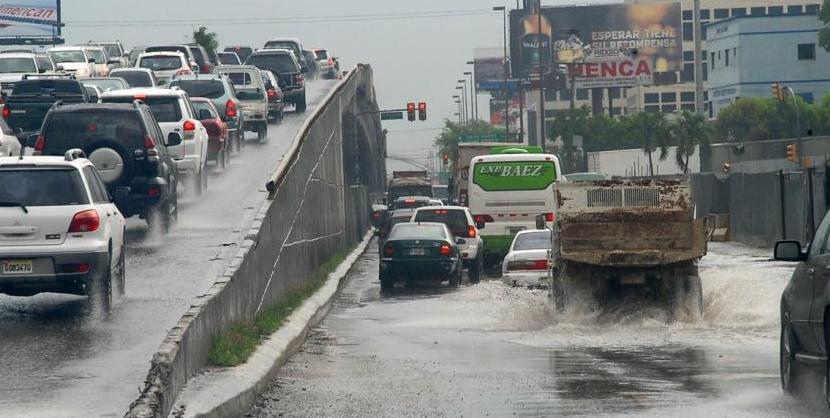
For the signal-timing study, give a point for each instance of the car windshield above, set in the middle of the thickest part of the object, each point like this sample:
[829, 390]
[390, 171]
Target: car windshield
[97, 55]
[455, 219]
[113, 50]
[67, 130]
[228, 58]
[415, 231]
[42, 187]
[67, 56]
[532, 241]
[199, 106]
[108, 84]
[161, 62]
[211, 89]
[322, 54]
[165, 109]
[17, 65]
[135, 78]
[280, 63]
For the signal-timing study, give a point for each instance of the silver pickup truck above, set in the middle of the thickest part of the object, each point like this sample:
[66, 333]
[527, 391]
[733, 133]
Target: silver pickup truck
[252, 95]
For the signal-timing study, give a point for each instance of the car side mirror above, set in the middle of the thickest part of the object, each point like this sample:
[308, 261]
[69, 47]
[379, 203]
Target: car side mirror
[789, 251]
[41, 70]
[59, 68]
[174, 139]
[541, 222]
[481, 225]
[205, 114]
[121, 196]
[304, 70]
[460, 241]
[91, 60]
[31, 140]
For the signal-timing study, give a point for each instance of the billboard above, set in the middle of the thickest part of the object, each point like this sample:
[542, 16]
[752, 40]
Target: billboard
[35, 21]
[612, 45]
[489, 68]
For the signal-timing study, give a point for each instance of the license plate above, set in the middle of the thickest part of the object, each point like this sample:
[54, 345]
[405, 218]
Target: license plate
[417, 251]
[17, 267]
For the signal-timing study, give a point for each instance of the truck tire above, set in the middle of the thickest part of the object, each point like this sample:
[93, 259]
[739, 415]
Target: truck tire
[557, 293]
[684, 293]
[262, 133]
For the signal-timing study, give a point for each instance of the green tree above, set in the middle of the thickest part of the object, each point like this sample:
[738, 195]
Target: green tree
[824, 33]
[206, 39]
[688, 132]
[450, 135]
[651, 131]
[748, 119]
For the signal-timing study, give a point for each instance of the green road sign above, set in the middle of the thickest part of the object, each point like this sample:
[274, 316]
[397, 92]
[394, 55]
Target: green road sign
[496, 137]
[391, 116]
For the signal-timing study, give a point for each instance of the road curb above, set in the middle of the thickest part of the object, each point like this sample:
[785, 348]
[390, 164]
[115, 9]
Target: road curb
[233, 391]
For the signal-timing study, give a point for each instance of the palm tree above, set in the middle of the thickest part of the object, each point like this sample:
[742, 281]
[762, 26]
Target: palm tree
[651, 131]
[689, 131]
[206, 39]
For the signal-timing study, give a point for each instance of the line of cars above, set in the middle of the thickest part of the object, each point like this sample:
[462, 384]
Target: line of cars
[114, 135]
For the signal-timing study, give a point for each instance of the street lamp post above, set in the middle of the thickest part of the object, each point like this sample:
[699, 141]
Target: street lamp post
[462, 97]
[458, 102]
[506, 70]
[475, 89]
[467, 111]
[472, 95]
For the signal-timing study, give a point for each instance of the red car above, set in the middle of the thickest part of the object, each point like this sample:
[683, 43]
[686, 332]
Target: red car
[217, 130]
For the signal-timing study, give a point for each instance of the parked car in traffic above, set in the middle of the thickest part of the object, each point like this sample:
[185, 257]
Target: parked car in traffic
[217, 129]
[311, 64]
[59, 230]
[253, 99]
[229, 58]
[327, 65]
[184, 49]
[13, 66]
[276, 108]
[460, 222]
[165, 65]
[292, 44]
[283, 63]
[129, 149]
[115, 51]
[134, 54]
[217, 88]
[106, 83]
[101, 61]
[136, 77]
[33, 97]
[174, 113]
[243, 52]
[526, 263]
[73, 60]
[420, 251]
[204, 59]
[9, 144]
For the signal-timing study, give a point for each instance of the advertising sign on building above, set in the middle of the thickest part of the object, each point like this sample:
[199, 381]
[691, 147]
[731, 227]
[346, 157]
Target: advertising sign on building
[489, 68]
[37, 21]
[611, 45]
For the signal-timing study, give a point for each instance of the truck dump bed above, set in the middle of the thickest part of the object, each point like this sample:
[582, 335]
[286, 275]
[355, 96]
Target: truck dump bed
[628, 223]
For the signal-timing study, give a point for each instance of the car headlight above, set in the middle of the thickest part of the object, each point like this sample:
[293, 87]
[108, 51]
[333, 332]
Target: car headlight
[82, 71]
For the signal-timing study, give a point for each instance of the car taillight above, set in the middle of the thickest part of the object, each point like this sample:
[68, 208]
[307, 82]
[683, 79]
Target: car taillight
[189, 126]
[550, 217]
[150, 148]
[272, 93]
[299, 79]
[184, 71]
[230, 109]
[205, 68]
[40, 145]
[471, 232]
[483, 218]
[445, 250]
[527, 265]
[154, 191]
[86, 221]
[388, 250]
[6, 112]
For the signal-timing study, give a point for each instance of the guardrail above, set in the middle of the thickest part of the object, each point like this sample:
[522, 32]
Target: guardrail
[309, 215]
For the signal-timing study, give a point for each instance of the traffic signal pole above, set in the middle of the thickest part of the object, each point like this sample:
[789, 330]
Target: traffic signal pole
[797, 125]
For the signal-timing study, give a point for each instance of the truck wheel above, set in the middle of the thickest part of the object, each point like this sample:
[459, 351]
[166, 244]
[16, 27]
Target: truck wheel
[300, 104]
[475, 269]
[557, 293]
[262, 133]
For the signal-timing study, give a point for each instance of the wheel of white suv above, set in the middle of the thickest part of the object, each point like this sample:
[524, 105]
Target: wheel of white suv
[100, 289]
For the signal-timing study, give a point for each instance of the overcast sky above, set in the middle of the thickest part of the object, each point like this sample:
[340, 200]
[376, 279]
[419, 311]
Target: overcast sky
[413, 59]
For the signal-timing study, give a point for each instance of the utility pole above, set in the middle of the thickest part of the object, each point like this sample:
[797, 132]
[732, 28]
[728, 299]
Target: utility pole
[800, 147]
[472, 94]
[503, 9]
[699, 106]
[541, 82]
[467, 111]
[475, 89]
[462, 98]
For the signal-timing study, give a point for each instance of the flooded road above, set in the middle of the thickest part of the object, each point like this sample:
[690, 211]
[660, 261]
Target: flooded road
[490, 350]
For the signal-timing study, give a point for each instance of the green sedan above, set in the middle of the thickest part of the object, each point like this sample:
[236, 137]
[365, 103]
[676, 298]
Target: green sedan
[420, 251]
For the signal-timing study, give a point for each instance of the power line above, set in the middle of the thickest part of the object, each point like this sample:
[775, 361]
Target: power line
[298, 19]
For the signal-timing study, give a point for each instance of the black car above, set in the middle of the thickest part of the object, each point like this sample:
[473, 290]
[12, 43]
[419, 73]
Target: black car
[805, 311]
[284, 65]
[32, 98]
[126, 145]
[311, 63]
[420, 251]
[243, 52]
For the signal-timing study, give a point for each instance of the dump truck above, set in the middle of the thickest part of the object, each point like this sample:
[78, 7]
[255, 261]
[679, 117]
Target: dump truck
[618, 233]
[409, 183]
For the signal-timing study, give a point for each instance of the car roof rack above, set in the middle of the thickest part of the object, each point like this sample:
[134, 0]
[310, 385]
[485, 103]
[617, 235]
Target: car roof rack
[74, 154]
[48, 76]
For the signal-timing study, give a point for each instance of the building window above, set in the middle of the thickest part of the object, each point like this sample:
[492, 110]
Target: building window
[550, 95]
[703, 34]
[740, 11]
[581, 94]
[565, 94]
[688, 72]
[811, 8]
[688, 31]
[795, 10]
[688, 56]
[652, 109]
[687, 96]
[735, 52]
[616, 111]
[705, 73]
[705, 95]
[726, 55]
[704, 14]
[687, 15]
[757, 11]
[669, 108]
[712, 60]
[669, 97]
[703, 54]
[614, 92]
[652, 98]
[689, 107]
[721, 13]
[806, 52]
[776, 10]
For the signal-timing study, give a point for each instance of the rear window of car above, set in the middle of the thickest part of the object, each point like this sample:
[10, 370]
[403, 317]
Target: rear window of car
[108, 84]
[165, 109]
[47, 87]
[211, 89]
[414, 231]
[44, 63]
[322, 54]
[66, 130]
[161, 63]
[280, 63]
[229, 58]
[197, 55]
[135, 78]
[17, 65]
[199, 106]
[67, 56]
[455, 219]
[532, 241]
[42, 187]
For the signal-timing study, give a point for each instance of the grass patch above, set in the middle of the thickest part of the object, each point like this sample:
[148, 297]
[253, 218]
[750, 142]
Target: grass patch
[238, 343]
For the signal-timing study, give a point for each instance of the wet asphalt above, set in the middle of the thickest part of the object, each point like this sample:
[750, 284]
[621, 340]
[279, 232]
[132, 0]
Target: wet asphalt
[57, 360]
[490, 350]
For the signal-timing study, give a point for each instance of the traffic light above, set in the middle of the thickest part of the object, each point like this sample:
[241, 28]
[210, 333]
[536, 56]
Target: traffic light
[446, 158]
[422, 111]
[792, 153]
[778, 91]
[410, 111]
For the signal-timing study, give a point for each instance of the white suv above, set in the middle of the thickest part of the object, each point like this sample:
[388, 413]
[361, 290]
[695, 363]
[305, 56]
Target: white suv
[165, 65]
[174, 113]
[59, 230]
[460, 222]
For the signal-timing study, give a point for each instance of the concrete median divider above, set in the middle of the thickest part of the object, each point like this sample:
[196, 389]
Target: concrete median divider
[317, 206]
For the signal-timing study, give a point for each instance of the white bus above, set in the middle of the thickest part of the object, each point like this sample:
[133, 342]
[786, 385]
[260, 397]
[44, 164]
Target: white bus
[507, 191]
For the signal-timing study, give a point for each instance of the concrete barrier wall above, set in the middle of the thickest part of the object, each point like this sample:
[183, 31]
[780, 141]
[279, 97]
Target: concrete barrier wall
[310, 215]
